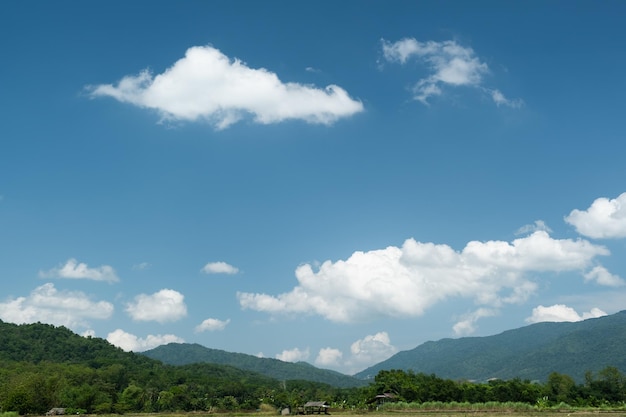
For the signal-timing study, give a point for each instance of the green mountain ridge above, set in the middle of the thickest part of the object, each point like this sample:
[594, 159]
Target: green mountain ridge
[531, 352]
[185, 354]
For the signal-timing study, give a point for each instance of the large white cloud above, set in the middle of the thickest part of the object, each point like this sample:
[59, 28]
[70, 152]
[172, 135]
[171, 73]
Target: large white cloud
[163, 306]
[561, 312]
[75, 270]
[451, 65]
[131, 343]
[604, 219]
[46, 304]
[406, 281]
[208, 85]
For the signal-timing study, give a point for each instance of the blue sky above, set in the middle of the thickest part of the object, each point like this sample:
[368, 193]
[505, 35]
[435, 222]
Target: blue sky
[324, 181]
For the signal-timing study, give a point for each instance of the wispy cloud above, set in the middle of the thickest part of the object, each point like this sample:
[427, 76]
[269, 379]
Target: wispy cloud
[536, 226]
[141, 266]
[212, 325]
[46, 304]
[560, 313]
[450, 65]
[207, 85]
[75, 270]
[604, 219]
[131, 343]
[467, 324]
[406, 281]
[219, 268]
[163, 306]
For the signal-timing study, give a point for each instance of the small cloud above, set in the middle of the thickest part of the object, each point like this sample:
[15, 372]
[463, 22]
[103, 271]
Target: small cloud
[561, 313]
[206, 85]
[604, 219]
[501, 100]
[75, 270]
[211, 325]
[89, 333]
[538, 225]
[131, 343]
[46, 304]
[372, 349]
[219, 268]
[328, 357]
[163, 306]
[141, 266]
[467, 325]
[293, 355]
[450, 65]
[602, 276]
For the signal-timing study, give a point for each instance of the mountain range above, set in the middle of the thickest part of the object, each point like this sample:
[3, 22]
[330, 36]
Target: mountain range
[185, 353]
[531, 353]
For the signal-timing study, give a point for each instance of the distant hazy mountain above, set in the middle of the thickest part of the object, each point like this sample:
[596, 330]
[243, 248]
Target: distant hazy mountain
[184, 353]
[531, 352]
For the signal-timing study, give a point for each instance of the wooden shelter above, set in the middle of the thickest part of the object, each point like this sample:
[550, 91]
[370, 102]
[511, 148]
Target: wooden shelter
[316, 407]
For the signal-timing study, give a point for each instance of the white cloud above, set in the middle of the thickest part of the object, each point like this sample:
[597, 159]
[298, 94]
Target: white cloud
[561, 312]
[501, 100]
[538, 225]
[451, 65]
[293, 355]
[212, 325]
[163, 306]
[406, 281]
[601, 276]
[328, 357]
[219, 268]
[467, 325]
[208, 85]
[46, 304]
[75, 270]
[605, 219]
[131, 343]
[370, 350]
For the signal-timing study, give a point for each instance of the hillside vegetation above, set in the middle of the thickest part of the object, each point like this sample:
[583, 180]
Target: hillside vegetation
[184, 354]
[532, 352]
[42, 366]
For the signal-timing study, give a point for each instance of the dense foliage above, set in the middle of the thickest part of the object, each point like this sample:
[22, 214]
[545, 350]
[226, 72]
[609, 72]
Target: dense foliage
[43, 366]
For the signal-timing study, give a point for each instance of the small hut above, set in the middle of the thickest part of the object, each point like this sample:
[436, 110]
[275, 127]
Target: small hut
[383, 398]
[316, 407]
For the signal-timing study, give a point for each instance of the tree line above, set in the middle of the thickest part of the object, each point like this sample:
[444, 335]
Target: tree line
[29, 388]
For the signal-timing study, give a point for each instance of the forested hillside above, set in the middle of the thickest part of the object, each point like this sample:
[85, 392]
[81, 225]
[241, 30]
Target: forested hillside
[184, 353]
[532, 352]
[42, 366]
